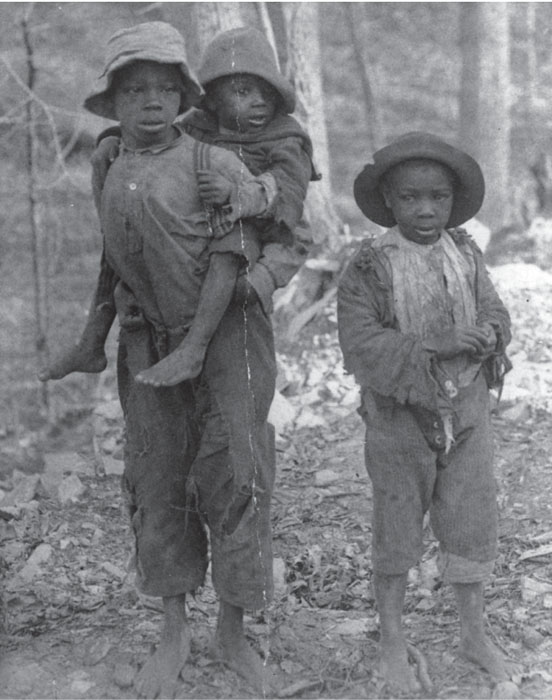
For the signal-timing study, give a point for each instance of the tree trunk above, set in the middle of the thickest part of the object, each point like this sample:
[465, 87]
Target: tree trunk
[373, 122]
[213, 17]
[304, 71]
[484, 114]
[39, 247]
[532, 63]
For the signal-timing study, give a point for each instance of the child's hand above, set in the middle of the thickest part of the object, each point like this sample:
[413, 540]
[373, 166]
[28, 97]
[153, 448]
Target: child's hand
[490, 344]
[471, 340]
[213, 187]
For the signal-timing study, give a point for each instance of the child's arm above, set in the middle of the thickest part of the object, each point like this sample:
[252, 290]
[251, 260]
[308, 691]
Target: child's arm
[286, 239]
[391, 363]
[229, 184]
[292, 168]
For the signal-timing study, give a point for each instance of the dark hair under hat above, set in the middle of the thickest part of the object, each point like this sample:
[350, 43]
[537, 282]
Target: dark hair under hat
[468, 194]
[245, 50]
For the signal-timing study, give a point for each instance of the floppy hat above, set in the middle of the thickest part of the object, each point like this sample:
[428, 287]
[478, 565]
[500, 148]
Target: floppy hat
[468, 195]
[245, 50]
[149, 41]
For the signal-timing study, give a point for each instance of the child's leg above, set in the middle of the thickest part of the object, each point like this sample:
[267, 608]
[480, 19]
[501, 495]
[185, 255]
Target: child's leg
[390, 592]
[186, 361]
[232, 648]
[402, 471]
[464, 520]
[88, 354]
[474, 643]
[159, 675]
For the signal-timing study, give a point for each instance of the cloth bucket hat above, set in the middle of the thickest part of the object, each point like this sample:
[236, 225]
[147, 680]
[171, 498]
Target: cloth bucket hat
[150, 41]
[468, 195]
[245, 50]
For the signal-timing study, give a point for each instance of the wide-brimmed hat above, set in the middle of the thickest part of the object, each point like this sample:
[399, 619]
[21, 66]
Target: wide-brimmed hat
[245, 50]
[468, 194]
[149, 41]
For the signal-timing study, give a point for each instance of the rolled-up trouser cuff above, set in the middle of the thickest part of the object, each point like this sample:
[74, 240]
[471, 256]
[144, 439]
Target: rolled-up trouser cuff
[456, 569]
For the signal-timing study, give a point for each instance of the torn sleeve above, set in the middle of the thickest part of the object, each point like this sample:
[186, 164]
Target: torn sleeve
[292, 169]
[390, 363]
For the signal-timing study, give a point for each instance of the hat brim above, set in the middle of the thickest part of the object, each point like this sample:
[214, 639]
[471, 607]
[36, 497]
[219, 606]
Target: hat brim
[100, 100]
[468, 195]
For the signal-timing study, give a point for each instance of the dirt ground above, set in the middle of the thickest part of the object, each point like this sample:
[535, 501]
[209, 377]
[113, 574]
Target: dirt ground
[74, 626]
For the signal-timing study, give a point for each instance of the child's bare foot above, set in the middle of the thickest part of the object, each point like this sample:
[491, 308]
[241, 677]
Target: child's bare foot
[238, 655]
[186, 362]
[232, 648]
[483, 652]
[395, 668]
[78, 359]
[159, 675]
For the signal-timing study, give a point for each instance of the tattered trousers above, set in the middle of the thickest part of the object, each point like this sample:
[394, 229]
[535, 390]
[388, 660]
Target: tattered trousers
[200, 456]
[409, 479]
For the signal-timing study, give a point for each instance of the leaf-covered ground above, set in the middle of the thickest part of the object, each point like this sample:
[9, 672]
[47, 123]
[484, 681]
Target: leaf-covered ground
[74, 626]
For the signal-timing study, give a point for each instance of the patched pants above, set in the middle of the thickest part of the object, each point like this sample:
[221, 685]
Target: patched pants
[200, 456]
[409, 479]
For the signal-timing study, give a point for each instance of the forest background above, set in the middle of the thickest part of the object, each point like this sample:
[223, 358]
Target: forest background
[478, 74]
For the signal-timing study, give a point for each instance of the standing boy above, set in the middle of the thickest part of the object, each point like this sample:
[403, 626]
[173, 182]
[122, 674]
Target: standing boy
[200, 453]
[424, 331]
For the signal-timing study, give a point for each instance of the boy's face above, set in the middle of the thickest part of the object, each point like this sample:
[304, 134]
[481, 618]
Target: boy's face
[147, 101]
[420, 194]
[242, 102]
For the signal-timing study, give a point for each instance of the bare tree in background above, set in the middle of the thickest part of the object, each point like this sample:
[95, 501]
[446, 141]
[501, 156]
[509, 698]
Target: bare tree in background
[352, 12]
[531, 54]
[303, 70]
[39, 241]
[484, 119]
[209, 18]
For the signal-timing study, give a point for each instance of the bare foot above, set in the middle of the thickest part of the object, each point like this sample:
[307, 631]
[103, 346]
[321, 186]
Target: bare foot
[240, 657]
[159, 675]
[395, 668]
[483, 652]
[186, 362]
[78, 359]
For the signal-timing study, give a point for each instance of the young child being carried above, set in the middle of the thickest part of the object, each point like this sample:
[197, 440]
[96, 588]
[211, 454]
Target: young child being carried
[246, 109]
[424, 332]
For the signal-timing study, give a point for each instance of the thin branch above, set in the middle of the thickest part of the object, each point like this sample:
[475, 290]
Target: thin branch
[39, 282]
[45, 108]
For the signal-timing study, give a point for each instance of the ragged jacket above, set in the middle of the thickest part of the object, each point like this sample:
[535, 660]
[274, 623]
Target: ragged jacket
[284, 150]
[395, 365]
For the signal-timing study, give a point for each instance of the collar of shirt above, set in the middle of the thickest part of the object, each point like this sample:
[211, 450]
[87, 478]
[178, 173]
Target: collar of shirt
[158, 148]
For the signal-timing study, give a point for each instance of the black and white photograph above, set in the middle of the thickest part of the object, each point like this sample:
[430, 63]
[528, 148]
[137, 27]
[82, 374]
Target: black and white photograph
[276, 350]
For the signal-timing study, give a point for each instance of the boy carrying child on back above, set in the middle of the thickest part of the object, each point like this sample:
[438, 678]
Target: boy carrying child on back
[246, 110]
[200, 452]
[424, 332]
